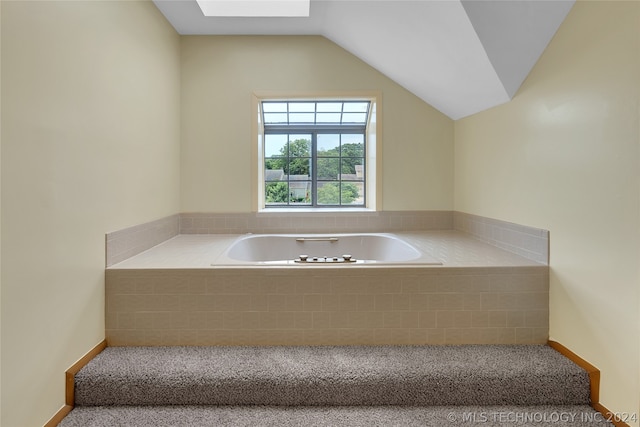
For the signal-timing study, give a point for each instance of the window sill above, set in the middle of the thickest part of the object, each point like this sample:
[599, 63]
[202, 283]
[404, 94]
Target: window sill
[345, 211]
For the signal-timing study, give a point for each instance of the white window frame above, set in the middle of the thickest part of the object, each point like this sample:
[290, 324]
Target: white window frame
[373, 149]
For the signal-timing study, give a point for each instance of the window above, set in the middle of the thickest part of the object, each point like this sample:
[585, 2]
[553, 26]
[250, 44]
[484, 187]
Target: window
[314, 153]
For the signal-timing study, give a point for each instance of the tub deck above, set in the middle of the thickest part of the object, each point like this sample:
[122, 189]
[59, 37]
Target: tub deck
[173, 295]
[452, 248]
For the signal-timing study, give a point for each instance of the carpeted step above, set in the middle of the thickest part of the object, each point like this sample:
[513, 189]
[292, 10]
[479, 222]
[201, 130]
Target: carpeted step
[336, 416]
[315, 376]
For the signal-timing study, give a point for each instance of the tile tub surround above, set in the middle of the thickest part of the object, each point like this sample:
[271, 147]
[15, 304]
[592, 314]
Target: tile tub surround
[125, 243]
[314, 222]
[128, 242]
[481, 295]
[529, 242]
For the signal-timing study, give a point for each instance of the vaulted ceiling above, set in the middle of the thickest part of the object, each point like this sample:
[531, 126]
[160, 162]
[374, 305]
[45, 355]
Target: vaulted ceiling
[460, 56]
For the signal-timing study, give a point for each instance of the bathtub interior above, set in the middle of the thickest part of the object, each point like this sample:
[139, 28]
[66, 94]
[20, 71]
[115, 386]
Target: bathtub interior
[322, 249]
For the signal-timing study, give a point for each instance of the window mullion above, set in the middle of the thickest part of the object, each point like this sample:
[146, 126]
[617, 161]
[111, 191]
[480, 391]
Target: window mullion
[340, 171]
[288, 166]
[314, 169]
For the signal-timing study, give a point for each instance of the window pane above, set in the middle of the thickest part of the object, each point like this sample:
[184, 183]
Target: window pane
[352, 146]
[329, 107]
[353, 138]
[328, 193]
[302, 107]
[276, 193]
[274, 107]
[300, 192]
[328, 168]
[349, 169]
[271, 118]
[296, 118]
[328, 144]
[328, 118]
[274, 173]
[300, 145]
[298, 168]
[354, 118]
[275, 145]
[356, 107]
[352, 193]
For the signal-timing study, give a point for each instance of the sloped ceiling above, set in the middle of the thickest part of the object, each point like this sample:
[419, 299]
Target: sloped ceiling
[461, 57]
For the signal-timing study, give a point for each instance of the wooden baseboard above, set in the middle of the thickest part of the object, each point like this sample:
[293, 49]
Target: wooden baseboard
[70, 386]
[594, 373]
[610, 416]
[57, 418]
[594, 381]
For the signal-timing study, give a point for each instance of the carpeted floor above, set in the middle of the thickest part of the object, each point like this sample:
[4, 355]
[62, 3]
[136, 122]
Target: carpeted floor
[332, 386]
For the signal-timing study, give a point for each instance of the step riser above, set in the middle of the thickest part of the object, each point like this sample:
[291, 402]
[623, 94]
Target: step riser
[416, 394]
[332, 376]
[344, 416]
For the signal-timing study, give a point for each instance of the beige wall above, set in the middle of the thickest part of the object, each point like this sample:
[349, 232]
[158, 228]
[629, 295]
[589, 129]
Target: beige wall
[90, 144]
[564, 156]
[219, 74]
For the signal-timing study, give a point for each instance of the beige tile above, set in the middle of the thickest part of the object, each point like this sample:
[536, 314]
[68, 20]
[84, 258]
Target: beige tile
[303, 320]
[125, 320]
[331, 302]
[402, 319]
[479, 319]
[237, 286]
[321, 320]
[313, 285]
[536, 318]
[206, 320]
[366, 302]
[312, 302]
[415, 302]
[234, 320]
[497, 319]
[383, 285]
[531, 335]
[427, 319]
[285, 302]
[472, 301]
[348, 302]
[353, 286]
[515, 319]
[364, 320]
[453, 319]
[446, 302]
[435, 336]
[384, 302]
[281, 285]
[494, 301]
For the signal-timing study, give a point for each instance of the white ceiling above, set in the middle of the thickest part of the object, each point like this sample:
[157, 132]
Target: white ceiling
[460, 56]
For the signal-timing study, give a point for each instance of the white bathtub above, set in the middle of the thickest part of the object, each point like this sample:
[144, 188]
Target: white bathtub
[322, 249]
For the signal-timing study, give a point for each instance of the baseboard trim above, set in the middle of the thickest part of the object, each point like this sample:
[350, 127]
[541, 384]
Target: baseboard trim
[70, 374]
[70, 385]
[57, 418]
[610, 416]
[594, 373]
[594, 381]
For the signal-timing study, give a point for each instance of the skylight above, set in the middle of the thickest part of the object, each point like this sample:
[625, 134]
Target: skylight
[255, 8]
